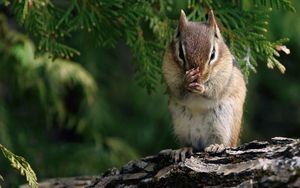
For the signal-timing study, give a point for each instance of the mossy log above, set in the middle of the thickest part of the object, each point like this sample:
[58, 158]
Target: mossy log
[255, 164]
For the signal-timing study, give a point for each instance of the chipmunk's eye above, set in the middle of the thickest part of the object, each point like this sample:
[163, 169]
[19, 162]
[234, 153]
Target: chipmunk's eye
[181, 53]
[212, 55]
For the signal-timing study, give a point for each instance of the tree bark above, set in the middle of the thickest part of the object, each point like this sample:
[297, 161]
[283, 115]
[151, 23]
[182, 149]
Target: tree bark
[255, 164]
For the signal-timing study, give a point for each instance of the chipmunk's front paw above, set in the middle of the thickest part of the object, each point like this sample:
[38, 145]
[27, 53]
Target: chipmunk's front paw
[190, 81]
[215, 148]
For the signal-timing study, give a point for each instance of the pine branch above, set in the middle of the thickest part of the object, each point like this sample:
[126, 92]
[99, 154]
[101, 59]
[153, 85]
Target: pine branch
[277, 4]
[243, 23]
[52, 23]
[21, 165]
[49, 78]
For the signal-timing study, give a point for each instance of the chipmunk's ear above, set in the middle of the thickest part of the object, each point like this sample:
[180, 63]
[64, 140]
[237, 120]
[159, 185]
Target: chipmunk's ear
[182, 20]
[212, 23]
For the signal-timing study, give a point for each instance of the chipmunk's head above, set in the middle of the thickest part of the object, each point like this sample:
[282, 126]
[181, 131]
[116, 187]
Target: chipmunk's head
[198, 45]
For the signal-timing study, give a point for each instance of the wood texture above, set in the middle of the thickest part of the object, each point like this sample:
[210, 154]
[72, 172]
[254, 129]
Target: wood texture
[256, 164]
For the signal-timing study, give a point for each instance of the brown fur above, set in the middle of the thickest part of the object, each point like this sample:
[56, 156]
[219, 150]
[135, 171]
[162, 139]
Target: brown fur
[217, 109]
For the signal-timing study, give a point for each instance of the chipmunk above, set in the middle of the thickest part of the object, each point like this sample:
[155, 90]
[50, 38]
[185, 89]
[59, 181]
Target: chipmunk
[207, 89]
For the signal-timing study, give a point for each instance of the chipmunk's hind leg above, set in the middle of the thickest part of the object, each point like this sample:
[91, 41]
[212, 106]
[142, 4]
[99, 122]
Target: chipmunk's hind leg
[182, 153]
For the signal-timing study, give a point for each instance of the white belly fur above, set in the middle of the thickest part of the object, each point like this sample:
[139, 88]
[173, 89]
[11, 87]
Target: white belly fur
[202, 122]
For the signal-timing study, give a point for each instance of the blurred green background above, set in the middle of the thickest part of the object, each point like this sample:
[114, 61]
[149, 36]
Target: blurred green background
[123, 121]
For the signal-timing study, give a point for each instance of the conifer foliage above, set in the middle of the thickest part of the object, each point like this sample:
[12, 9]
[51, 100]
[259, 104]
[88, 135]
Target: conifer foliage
[145, 26]
[21, 165]
[21, 71]
[244, 24]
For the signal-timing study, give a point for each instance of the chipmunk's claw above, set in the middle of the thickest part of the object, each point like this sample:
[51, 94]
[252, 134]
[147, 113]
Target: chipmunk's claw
[192, 75]
[215, 148]
[190, 81]
[182, 153]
